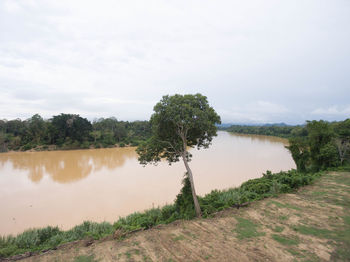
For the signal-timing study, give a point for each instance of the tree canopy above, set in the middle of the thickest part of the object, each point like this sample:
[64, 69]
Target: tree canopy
[70, 131]
[179, 122]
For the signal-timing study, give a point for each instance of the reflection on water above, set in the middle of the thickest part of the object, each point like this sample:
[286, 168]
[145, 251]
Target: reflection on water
[65, 188]
[67, 166]
[261, 138]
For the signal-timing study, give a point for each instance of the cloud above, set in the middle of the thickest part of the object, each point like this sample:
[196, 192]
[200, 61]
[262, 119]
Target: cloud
[11, 6]
[333, 111]
[253, 60]
[254, 112]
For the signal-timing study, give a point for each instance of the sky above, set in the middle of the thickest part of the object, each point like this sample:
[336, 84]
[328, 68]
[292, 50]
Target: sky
[256, 61]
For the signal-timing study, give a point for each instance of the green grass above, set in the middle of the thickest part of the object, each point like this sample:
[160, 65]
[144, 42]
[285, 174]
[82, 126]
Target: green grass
[85, 259]
[178, 238]
[281, 205]
[278, 229]
[318, 193]
[50, 237]
[294, 252]
[246, 229]
[284, 240]
[313, 231]
[342, 237]
[343, 180]
[128, 254]
[283, 218]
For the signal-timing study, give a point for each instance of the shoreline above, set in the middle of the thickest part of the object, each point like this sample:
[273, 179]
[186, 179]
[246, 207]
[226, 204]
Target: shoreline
[248, 192]
[53, 148]
[277, 221]
[49, 148]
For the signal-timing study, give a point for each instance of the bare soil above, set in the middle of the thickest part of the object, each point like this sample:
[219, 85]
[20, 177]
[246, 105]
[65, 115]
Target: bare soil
[312, 224]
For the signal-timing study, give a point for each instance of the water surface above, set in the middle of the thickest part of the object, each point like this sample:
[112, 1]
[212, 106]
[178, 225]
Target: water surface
[65, 188]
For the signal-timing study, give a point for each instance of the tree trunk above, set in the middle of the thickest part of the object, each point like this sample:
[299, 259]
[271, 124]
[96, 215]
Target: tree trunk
[189, 173]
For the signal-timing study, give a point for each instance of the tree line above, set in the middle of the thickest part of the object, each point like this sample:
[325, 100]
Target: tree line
[70, 131]
[281, 131]
[321, 145]
[317, 145]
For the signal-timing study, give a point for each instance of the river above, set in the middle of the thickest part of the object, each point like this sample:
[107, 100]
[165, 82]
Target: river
[64, 188]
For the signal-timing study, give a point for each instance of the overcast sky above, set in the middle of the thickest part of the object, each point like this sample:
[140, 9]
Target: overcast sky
[256, 61]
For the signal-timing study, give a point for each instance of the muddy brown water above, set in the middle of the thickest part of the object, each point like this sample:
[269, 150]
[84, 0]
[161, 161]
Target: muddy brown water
[65, 188]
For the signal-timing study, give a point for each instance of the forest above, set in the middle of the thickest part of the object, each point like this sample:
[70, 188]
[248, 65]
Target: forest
[284, 131]
[69, 131]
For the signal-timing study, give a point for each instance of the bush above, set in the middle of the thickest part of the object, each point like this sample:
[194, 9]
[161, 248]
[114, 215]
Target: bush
[134, 143]
[184, 201]
[27, 147]
[92, 229]
[259, 186]
[85, 145]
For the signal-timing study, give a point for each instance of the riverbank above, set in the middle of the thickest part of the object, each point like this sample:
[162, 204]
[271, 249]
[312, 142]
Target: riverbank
[47, 148]
[312, 224]
[212, 204]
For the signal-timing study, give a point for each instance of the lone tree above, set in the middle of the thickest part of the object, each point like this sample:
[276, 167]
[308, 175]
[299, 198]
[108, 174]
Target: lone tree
[179, 122]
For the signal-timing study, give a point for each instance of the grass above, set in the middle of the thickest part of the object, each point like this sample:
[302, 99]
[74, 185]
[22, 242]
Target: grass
[295, 252]
[50, 237]
[246, 229]
[283, 217]
[178, 238]
[278, 229]
[342, 180]
[313, 231]
[128, 254]
[284, 240]
[318, 193]
[287, 205]
[85, 259]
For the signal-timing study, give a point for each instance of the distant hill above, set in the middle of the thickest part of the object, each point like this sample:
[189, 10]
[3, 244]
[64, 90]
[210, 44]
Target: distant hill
[225, 125]
[276, 124]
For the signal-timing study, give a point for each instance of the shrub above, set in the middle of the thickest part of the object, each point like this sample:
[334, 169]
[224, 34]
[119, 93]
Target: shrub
[27, 147]
[259, 186]
[85, 145]
[134, 143]
[184, 201]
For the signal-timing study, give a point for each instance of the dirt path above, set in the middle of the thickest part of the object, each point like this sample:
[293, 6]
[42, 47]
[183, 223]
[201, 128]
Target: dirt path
[311, 225]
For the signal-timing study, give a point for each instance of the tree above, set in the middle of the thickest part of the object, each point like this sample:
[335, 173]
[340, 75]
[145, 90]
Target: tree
[3, 144]
[299, 149]
[320, 135]
[179, 122]
[342, 140]
[36, 128]
[70, 126]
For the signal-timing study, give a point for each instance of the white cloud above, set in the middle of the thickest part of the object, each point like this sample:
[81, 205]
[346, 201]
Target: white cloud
[256, 112]
[333, 110]
[11, 6]
[253, 60]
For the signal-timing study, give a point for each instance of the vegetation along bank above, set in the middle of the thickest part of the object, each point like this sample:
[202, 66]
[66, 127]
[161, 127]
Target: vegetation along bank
[70, 131]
